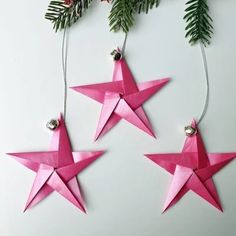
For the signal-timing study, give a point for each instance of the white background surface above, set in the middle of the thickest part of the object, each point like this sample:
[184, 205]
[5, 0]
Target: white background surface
[124, 191]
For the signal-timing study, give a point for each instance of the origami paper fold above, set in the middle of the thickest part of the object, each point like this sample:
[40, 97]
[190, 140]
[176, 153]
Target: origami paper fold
[192, 170]
[122, 99]
[57, 169]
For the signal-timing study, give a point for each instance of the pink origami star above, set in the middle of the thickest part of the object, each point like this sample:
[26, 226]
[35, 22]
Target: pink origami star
[192, 170]
[122, 99]
[57, 169]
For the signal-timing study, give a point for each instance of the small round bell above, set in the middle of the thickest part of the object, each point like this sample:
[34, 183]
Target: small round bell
[116, 54]
[53, 124]
[190, 131]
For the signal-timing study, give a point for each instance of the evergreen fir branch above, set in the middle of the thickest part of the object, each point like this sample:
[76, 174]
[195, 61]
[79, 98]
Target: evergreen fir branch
[122, 15]
[145, 5]
[199, 23]
[122, 12]
[63, 16]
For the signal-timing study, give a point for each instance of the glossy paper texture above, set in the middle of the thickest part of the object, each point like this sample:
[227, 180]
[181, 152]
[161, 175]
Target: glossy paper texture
[122, 99]
[57, 169]
[192, 170]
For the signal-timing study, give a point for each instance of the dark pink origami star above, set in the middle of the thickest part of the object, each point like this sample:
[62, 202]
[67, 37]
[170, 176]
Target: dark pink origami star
[122, 99]
[57, 169]
[192, 170]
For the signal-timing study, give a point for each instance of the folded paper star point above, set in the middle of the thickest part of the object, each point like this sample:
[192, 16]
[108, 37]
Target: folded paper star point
[57, 169]
[122, 99]
[192, 169]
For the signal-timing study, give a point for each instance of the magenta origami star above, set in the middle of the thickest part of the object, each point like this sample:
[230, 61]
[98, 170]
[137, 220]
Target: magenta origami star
[192, 170]
[122, 99]
[57, 169]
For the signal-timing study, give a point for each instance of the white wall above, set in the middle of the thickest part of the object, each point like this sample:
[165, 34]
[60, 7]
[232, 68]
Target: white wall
[124, 191]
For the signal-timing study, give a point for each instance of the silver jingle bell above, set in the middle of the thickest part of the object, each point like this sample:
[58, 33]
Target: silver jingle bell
[53, 124]
[190, 131]
[116, 54]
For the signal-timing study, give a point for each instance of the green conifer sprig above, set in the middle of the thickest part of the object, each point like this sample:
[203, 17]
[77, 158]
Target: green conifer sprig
[145, 5]
[123, 11]
[199, 23]
[62, 15]
[121, 16]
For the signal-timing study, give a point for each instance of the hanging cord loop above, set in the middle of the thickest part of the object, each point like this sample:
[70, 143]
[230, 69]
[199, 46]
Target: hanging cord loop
[124, 45]
[190, 130]
[206, 103]
[64, 68]
[54, 123]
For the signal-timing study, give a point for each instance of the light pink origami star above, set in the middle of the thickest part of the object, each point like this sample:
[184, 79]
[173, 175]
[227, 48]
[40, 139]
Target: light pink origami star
[57, 169]
[122, 99]
[192, 170]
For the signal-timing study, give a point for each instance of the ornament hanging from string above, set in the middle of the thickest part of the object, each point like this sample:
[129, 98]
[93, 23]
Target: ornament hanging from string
[57, 169]
[122, 98]
[193, 168]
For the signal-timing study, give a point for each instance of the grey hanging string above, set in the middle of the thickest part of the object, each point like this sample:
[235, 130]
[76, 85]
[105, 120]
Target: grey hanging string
[64, 68]
[54, 123]
[124, 44]
[206, 103]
